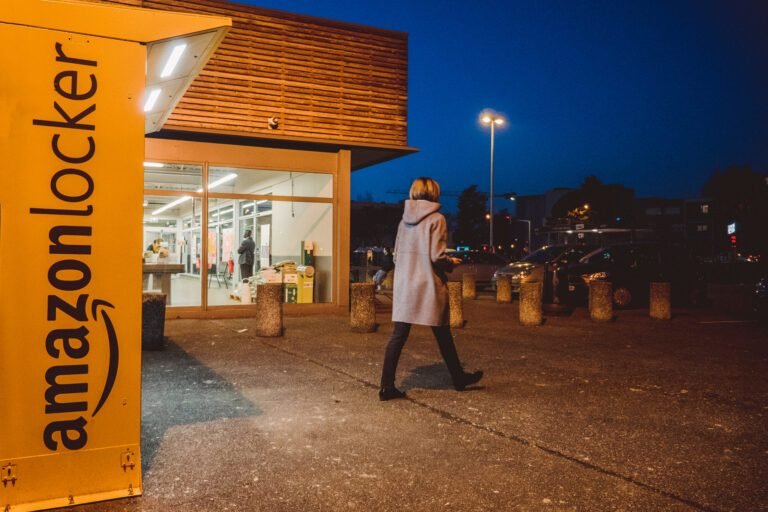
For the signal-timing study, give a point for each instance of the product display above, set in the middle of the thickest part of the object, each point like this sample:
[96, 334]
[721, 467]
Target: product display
[298, 282]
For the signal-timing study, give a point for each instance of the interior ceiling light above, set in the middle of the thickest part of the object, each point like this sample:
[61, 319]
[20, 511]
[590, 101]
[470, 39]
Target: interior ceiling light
[154, 164]
[220, 181]
[173, 60]
[171, 205]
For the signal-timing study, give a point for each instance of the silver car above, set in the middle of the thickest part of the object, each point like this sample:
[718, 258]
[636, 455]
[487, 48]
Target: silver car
[531, 268]
[482, 264]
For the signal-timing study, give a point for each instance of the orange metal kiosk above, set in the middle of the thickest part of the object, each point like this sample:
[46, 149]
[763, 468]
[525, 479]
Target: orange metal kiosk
[76, 89]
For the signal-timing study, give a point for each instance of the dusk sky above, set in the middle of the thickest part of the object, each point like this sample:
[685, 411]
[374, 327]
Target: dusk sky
[653, 95]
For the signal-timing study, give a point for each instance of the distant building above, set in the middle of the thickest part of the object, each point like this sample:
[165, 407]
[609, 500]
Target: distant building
[374, 224]
[699, 222]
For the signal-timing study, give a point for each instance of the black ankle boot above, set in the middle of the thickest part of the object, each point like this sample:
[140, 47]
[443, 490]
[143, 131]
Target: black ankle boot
[390, 394]
[467, 379]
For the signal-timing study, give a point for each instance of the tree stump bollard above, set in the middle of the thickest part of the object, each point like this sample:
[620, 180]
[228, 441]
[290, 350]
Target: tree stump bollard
[661, 301]
[601, 301]
[469, 289]
[530, 304]
[504, 289]
[153, 321]
[362, 314]
[455, 304]
[269, 304]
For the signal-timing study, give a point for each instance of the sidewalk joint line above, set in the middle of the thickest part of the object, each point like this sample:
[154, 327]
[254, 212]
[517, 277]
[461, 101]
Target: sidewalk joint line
[510, 437]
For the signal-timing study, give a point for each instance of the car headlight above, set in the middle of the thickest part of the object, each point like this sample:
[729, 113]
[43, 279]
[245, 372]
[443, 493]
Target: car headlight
[596, 276]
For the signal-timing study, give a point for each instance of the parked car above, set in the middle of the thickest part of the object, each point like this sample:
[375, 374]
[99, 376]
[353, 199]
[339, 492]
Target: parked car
[531, 268]
[482, 264]
[760, 299]
[631, 267]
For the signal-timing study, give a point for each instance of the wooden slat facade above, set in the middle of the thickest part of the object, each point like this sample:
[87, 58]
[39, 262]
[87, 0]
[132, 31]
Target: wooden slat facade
[325, 80]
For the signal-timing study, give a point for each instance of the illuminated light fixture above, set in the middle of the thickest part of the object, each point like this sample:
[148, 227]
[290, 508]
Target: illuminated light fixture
[171, 205]
[221, 181]
[228, 177]
[151, 100]
[261, 201]
[170, 65]
[153, 164]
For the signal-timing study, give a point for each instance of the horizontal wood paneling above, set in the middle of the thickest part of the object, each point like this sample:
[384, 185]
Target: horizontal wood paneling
[324, 79]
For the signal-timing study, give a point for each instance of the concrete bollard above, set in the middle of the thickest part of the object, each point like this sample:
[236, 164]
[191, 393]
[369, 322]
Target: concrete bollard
[269, 310]
[469, 286]
[455, 304]
[601, 301]
[504, 289]
[530, 304]
[153, 321]
[661, 301]
[362, 314]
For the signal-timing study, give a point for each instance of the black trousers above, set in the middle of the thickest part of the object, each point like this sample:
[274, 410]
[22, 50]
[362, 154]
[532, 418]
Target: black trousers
[246, 270]
[395, 347]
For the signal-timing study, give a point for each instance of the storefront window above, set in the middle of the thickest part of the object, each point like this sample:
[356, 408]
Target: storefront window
[172, 246]
[290, 220]
[225, 180]
[170, 176]
[289, 216]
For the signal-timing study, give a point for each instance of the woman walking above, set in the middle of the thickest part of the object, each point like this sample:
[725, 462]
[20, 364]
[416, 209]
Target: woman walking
[420, 293]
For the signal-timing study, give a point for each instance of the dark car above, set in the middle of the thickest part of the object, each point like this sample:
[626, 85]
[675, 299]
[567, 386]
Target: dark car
[631, 267]
[482, 264]
[531, 268]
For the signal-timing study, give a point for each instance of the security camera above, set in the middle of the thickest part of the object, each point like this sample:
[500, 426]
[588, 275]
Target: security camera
[273, 123]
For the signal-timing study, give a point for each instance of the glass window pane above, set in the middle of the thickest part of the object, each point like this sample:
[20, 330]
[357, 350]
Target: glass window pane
[303, 232]
[222, 251]
[281, 234]
[167, 176]
[172, 246]
[280, 183]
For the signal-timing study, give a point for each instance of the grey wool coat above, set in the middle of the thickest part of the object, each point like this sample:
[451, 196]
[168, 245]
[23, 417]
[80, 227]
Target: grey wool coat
[420, 295]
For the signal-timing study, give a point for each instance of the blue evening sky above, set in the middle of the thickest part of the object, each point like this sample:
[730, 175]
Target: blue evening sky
[654, 95]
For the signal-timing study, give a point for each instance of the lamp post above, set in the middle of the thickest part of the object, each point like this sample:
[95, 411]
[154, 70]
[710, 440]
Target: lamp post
[529, 232]
[492, 119]
[513, 197]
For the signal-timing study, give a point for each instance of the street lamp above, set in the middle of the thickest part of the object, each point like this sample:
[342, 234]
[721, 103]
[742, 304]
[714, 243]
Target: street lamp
[513, 197]
[529, 232]
[493, 119]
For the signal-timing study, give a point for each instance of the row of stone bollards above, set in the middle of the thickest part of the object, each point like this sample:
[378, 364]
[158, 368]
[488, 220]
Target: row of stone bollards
[269, 321]
[363, 313]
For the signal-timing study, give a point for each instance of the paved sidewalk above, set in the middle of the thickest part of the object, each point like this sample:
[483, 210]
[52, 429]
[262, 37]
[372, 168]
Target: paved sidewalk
[636, 415]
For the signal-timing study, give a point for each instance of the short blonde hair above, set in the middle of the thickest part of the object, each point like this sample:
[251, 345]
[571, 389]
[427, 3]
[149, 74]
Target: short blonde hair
[425, 188]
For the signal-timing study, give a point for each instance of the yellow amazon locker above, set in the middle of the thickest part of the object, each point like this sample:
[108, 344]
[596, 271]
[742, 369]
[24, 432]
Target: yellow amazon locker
[74, 108]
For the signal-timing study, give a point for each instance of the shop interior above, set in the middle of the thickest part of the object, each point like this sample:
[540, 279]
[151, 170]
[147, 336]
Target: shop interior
[289, 214]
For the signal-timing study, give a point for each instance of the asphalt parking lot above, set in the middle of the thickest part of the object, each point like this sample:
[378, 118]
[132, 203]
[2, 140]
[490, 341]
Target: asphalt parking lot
[635, 414]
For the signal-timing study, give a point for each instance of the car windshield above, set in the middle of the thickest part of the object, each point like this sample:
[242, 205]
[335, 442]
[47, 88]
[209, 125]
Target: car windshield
[545, 254]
